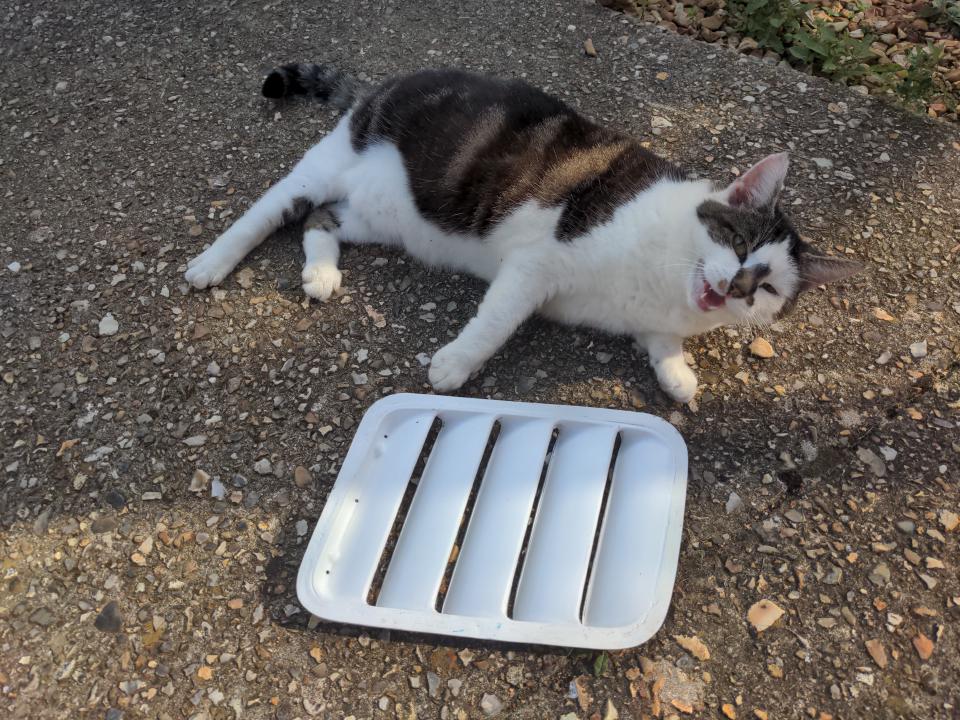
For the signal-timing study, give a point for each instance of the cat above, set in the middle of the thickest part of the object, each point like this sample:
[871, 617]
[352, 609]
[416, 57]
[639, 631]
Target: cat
[563, 217]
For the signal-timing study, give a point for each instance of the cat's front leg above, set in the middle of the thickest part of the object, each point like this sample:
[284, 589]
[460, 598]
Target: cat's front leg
[665, 353]
[515, 294]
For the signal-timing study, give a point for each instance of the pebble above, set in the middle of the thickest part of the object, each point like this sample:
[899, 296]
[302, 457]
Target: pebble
[693, 645]
[880, 575]
[433, 683]
[490, 704]
[949, 520]
[195, 440]
[42, 617]
[764, 614]
[109, 620]
[108, 325]
[14, 267]
[302, 477]
[919, 349]
[199, 481]
[906, 526]
[263, 467]
[734, 503]
[761, 348]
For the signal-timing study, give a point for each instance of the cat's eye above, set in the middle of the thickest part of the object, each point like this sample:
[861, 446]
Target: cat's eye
[769, 288]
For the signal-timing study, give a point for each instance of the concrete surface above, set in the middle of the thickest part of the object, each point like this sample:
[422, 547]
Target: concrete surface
[822, 479]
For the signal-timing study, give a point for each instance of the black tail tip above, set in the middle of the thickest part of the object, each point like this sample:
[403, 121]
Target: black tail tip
[275, 86]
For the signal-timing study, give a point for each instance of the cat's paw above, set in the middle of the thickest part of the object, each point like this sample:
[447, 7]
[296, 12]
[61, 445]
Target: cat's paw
[320, 281]
[209, 268]
[449, 369]
[678, 381]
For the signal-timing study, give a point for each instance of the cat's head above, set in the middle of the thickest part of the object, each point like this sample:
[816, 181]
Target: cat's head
[752, 264]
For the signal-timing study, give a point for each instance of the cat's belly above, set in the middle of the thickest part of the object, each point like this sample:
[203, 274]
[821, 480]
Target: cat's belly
[379, 208]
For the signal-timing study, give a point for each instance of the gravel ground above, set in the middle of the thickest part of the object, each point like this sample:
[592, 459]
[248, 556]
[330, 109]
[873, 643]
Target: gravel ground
[151, 436]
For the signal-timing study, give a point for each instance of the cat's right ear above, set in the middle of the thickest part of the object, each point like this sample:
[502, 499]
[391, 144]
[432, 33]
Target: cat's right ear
[760, 186]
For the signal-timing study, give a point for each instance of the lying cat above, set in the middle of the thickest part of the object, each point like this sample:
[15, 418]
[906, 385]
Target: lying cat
[561, 216]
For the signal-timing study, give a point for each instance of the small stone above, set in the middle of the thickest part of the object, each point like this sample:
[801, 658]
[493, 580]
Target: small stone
[108, 325]
[734, 503]
[588, 48]
[919, 349]
[109, 619]
[880, 575]
[763, 614]
[115, 499]
[877, 652]
[235, 603]
[906, 526]
[263, 467]
[245, 278]
[693, 645]
[871, 460]
[949, 520]
[881, 314]
[205, 673]
[195, 440]
[433, 683]
[490, 704]
[316, 653]
[301, 528]
[42, 617]
[217, 489]
[923, 645]
[610, 713]
[199, 482]
[729, 711]
[103, 525]
[14, 267]
[302, 477]
[761, 348]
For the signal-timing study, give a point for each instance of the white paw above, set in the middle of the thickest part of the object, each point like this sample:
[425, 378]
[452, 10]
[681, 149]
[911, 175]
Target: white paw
[678, 381]
[320, 281]
[209, 268]
[449, 369]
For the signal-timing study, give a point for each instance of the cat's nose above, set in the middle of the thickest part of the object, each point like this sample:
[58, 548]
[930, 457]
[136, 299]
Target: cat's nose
[744, 283]
[722, 286]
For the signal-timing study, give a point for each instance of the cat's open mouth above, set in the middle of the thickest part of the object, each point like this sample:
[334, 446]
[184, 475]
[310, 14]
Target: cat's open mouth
[706, 297]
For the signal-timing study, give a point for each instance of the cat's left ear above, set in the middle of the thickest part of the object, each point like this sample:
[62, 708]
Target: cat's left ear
[760, 186]
[822, 269]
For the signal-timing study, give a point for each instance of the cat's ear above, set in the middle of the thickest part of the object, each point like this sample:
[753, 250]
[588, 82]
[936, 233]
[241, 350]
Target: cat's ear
[760, 186]
[822, 269]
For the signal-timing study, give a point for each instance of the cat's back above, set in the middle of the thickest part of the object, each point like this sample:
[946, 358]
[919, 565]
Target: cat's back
[475, 148]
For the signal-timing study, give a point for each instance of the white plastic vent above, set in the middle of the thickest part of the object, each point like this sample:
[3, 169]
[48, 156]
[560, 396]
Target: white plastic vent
[509, 521]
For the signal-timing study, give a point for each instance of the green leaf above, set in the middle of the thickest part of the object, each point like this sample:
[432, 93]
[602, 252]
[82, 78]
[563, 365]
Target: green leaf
[600, 664]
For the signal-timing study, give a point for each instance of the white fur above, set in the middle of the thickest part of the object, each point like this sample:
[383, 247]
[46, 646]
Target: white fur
[637, 274]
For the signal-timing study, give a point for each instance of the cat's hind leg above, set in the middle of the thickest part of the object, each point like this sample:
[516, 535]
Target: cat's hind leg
[313, 181]
[321, 277]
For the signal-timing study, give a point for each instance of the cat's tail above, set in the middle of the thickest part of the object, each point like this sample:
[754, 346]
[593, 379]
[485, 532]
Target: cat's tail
[322, 83]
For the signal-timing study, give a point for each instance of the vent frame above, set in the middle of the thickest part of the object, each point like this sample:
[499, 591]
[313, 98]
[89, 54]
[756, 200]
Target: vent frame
[628, 512]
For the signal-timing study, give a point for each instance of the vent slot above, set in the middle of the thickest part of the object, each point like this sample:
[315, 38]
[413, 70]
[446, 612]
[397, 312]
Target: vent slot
[411, 488]
[454, 552]
[600, 521]
[530, 517]
[431, 525]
